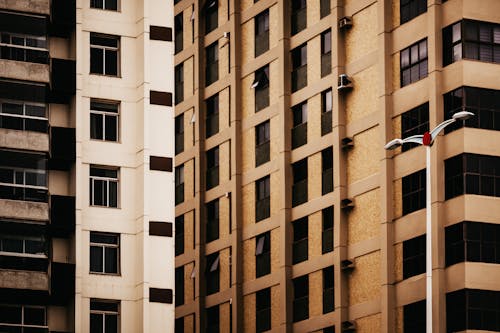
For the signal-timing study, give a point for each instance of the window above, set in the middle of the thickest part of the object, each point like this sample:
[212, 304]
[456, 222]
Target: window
[261, 86]
[328, 290]
[104, 54]
[23, 176]
[472, 309]
[300, 242]
[23, 245]
[23, 318]
[103, 187]
[261, 33]
[326, 53]
[482, 102]
[212, 116]
[179, 285]
[104, 316]
[414, 122]
[104, 253]
[213, 325]
[263, 310]
[179, 235]
[299, 16]
[104, 4]
[262, 254]
[179, 83]
[179, 325]
[212, 63]
[212, 168]
[262, 198]
[22, 47]
[473, 40]
[327, 168]
[414, 256]
[179, 184]
[329, 329]
[179, 134]
[299, 188]
[410, 9]
[299, 67]
[326, 112]
[300, 298]
[179, 32]
[324, 8]
[262, 143]
[327, 233]
[472, 241]
[23, 116]
[211, 11]
[414, 317]
[104, 122]
[472, 174]
[212, 274]
[299, 130]
[413, 63]
[212, 231]
[413, 192]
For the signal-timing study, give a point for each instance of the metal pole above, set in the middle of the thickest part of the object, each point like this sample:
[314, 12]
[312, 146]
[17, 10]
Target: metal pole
[428, 242]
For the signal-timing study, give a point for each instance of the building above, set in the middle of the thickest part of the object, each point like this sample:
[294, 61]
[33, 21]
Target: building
[290, 215]
[87, 196]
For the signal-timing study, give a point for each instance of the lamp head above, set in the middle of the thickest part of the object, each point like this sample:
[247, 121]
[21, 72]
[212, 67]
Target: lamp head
[462, 115]
[393, 144]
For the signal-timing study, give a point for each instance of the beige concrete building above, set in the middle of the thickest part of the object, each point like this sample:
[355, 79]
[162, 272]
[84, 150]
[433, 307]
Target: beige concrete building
[290, 215]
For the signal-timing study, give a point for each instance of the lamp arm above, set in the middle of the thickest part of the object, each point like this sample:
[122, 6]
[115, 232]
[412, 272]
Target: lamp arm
[440, 127]
[414, 139]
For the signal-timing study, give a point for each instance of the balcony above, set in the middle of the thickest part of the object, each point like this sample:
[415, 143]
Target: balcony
[262, 153]
[262, 209]
[26, 210]
[62, 148]
[327, 181]
[326, 122]
[13, 279]
[299, 78]
[24, 71]
[212, 179]
[29, 6]
[62, 215]
[299, 193]
[299, 135]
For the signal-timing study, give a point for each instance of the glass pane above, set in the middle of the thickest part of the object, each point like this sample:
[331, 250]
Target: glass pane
[98, 198]
[423, 49]
[35, 111]
[113, 194]
[457, 52]
[34, 316]
[414, 54]
[471, 51]
[96, 61]
[12, 108]
[96, 126]
[96, 3]
[111, 324]
[96, 321]
[111, 62]
[12, 245]
[111, 260]
[111, 4]
[486, 53]
[35, 246]
[96, 261]
[485, 33]
[97, 237]
[111, 128]
[10, 314]
[456, 33]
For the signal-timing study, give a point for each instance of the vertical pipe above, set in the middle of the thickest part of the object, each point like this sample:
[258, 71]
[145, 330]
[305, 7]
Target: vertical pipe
[428, 242]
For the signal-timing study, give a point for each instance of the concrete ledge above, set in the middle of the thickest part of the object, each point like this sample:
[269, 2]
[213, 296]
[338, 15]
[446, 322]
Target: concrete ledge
[26, 71]
[24, 140]
[26, 210]
[24, 280]
[29, 6]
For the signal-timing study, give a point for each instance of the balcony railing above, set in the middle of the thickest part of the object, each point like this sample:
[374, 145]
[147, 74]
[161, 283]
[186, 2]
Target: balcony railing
[327, 181]
[212, 177]
[326, 64]
[299, 78]
[179, 193]
[326, 122]
[261, 43]
[262, 209]
[23, 192]
[299, 193]
[299, 135]
[262, 153]
[300, 251]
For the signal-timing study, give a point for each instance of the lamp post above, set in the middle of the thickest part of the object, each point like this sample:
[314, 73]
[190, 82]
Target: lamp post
[427, 139]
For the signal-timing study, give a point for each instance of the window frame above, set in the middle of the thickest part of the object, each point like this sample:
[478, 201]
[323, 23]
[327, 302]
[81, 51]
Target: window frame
[24, 239]
[104, 116]
[300, 180]
[420, 63]
[105, 49]
[107, 180]
[179, 184]
[104, 246]
[106, 313]
[413, 192]
[415, 9]
[24, 117]
[179, 133]
[212, 65]
[261, 34]
[40, 53]
[300, 228]
[261, 87]
[419, 119]
[212, 169]
[298, 10]
[104, 2]
[212, 225]
[179, 250]
[263, 310]
[212, 105]
[414, 256]
[22, 324]
[299, 67]
[212, 276]
[262, 198]
[327, 229]
[179, 83]
[262, 143]
[300, 284]
[326, 52]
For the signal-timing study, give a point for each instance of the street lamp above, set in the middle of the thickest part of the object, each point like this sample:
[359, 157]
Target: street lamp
[427, 139]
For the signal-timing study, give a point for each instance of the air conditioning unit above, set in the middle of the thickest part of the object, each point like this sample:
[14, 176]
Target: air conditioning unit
[348, 326]
[345, 23]
[347, 143]
[344, 82]
[347, 204]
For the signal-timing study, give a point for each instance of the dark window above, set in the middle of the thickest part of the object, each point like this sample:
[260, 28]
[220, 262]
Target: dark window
[262, 254]
[414, 317]
[104, 253]
[413, 63]
[179, 325]
[300, 240]
[327, 170]
[299, 130]
[413, 192]
[212, 220]
[24, 116]
[261, 33]
[104, 120]
[22, 248]
[212, 178]
[212, 273]
[213, 320]
[179, 32]
[104, 4]
[179, 134]
[327, 233]
[179, 83]
[104, 54]
[299, 188]
[482, 102]
[103, 187]
[212, 116]
[263, 310]
[179, 235]
[300, 298]
[410, 9]
[23, 318]
[473, 309]
[211, 12]
[299, 16]
[262, 143]
[326, 53]
[23, 47]
[104, 316]
[329, 329]
[414, 122]
[179, 184]
[179, 286]
[414, 256]
[328, 290]
[474, 40]
[261, 86]
[472, 241]
[262, 198]
[326, 112]
[212, 63]
[472, 174]
[324, 8]
[299, 67]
